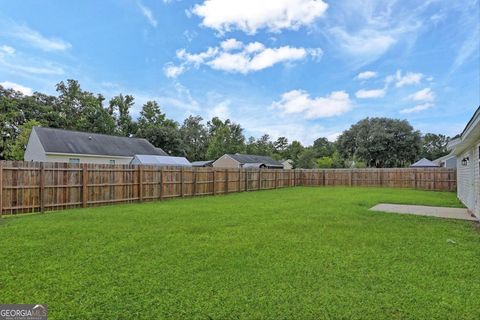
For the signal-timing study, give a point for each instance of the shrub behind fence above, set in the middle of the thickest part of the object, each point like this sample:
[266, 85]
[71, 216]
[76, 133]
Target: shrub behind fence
[36, 186]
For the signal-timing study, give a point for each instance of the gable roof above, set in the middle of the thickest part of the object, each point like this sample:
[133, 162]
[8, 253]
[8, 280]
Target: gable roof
[422, 163]
[249, 158]
[161, 160]
[76, 142]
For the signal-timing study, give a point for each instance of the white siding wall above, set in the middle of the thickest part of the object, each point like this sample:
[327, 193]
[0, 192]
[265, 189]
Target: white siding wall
[87, 159]
[465, 176]
[477, 180]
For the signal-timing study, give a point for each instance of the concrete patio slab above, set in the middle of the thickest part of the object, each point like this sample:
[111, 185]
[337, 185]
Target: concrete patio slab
[439, 212]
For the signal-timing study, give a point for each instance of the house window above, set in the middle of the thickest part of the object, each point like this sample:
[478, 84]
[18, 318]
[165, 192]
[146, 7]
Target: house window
[112, 161]
[74, 160]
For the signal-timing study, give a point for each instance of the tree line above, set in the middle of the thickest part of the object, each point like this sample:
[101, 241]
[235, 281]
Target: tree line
[372, 142]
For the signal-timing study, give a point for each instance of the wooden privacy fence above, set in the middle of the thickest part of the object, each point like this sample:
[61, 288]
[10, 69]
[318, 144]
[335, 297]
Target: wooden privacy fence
[35, 186]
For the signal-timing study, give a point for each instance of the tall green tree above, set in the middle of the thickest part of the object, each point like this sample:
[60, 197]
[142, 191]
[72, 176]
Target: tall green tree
[82, 110]
[194, 137]
[164, 133]
[434, 146]
[381, 142]
[16, 148]
[323, 148]
[119, 108]
[225, 137]
[306, 159]
[293, 152]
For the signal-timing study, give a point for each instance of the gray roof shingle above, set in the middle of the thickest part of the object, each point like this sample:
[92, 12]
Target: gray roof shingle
[76, 142]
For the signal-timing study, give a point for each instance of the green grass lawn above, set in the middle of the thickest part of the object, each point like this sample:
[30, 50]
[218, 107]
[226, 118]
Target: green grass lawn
[299, 253]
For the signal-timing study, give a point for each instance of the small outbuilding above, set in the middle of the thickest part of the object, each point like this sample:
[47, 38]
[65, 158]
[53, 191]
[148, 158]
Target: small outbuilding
[164, 161]
[424, 163]
[238, 160]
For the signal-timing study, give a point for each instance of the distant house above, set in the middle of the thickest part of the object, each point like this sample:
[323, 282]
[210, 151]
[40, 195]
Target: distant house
[424, 163]
[467, 149]
[448, 161]
[208, 163]
[287, 164]
[58, 145]
[238, 160]
[166, 161]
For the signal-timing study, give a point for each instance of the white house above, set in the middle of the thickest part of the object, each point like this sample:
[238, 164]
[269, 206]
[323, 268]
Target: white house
[57, 145]
[467, 149]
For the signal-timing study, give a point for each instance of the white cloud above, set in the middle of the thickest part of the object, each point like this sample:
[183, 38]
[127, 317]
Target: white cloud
[172, 71]
[367, 43]
[251, 15]
[423, 95]
[231, 44]
[299, 101]
[221, 110]
[17, 87]
[7, 49]
[34, 38]
[366, 75]
[418, 108]
[403, 80]
[236, 57]
[375, 93]
[363, 31]
[148, 14]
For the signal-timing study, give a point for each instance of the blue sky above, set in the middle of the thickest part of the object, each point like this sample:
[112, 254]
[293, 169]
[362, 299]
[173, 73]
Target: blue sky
[296, 68]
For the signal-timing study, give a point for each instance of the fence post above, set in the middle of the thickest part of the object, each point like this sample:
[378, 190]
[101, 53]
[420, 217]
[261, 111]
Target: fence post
[42, 187]
[434, 178]
[239, 179]
[245, 172]
[259, 178]
[226, 181]
[140, 183]
[213, 182]
[161, 183]
[350, 174]
[275, 181]
[182, 177]
[84, 185]
[194, 184]
[1, 189]
[294, 177]
[415, 178]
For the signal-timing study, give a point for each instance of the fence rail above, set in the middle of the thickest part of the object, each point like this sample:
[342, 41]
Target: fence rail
[38, 187]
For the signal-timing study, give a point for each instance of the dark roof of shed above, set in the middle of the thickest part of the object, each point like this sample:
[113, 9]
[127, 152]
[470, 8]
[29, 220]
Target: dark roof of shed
[249, 158]
[76, 142]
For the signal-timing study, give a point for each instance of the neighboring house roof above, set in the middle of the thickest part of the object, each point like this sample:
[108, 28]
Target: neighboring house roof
[424, 163]
[444, 158]
[160, 160]
[469, 135]
[248, 158]
[76, 142]
[202, 163]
